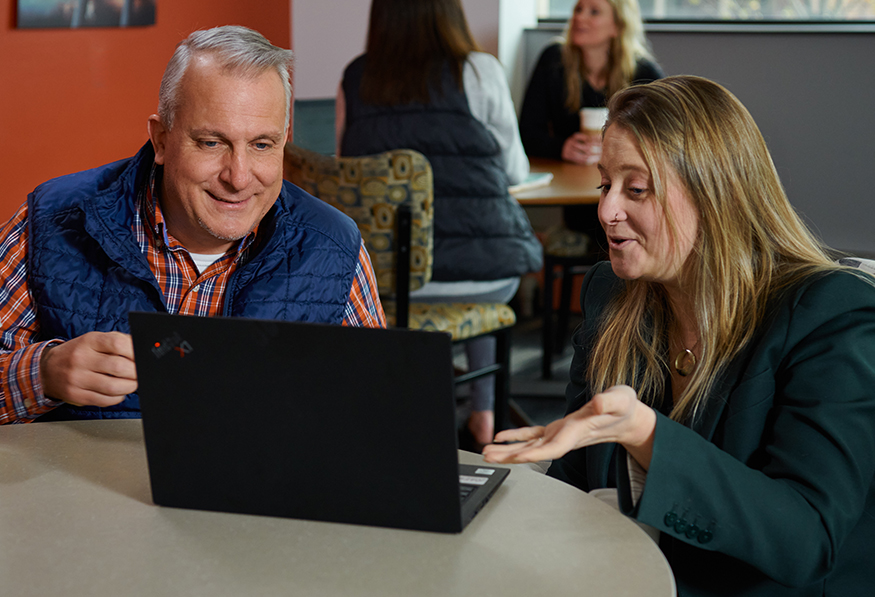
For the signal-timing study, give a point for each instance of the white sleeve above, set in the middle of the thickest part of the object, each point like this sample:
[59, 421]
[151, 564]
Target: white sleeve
[490, 103]
[637, 478]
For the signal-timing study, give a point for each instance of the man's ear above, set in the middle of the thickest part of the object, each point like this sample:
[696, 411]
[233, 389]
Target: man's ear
[158, 135]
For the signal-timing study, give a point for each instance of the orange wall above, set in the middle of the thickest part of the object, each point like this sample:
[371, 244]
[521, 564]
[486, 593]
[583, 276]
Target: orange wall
[76, 99]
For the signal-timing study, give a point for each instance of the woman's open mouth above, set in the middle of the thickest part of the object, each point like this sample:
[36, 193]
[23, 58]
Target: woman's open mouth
[616, 242]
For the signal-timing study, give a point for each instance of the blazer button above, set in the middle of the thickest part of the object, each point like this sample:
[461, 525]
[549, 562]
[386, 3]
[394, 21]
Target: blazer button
[692, 531]
[705, 536]
[680, 526]
[670, 519]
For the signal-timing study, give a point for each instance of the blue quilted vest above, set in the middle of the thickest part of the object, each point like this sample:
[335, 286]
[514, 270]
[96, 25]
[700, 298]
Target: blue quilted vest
[86, 271]
[480, 231]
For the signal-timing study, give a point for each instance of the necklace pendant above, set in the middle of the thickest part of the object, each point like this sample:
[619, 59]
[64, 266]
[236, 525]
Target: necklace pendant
[685, 362]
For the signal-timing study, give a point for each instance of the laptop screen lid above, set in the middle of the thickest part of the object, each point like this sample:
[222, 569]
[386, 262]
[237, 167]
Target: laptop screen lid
[300, 420]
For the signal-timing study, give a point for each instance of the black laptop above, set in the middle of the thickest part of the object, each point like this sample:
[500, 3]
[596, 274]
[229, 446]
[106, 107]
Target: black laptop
[303, 420]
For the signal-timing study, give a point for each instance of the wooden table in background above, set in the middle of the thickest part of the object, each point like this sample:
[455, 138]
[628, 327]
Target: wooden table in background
[572, 184]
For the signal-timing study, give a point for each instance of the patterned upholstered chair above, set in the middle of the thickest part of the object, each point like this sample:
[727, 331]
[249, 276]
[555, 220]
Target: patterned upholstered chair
[390, 197]
[571, 253]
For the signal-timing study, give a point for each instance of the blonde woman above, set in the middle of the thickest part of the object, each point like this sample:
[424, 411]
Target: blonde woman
[604, 51]
[723, 376]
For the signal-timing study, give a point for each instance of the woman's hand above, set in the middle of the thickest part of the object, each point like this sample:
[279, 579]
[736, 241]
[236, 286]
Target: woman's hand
[582, 149]
[615, 415]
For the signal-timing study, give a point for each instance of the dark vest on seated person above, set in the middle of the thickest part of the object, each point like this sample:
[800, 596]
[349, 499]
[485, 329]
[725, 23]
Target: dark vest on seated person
[86, 270]
[480, 231]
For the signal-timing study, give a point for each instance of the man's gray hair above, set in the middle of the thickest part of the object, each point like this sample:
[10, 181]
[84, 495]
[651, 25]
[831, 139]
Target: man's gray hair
[238, 49]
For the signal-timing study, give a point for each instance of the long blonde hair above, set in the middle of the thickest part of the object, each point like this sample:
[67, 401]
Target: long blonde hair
[751, 243]
[626, 49]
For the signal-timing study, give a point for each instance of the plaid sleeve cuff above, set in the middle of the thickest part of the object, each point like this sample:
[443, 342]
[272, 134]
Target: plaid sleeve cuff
[22, 387]
[363, 307]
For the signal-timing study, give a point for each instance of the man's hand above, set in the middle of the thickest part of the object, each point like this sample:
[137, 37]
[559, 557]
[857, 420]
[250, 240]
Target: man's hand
[95, 369]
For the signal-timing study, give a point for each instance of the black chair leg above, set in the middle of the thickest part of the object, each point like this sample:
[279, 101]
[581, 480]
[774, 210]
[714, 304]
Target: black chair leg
[502, 381]
[564, 308]
[547, 341]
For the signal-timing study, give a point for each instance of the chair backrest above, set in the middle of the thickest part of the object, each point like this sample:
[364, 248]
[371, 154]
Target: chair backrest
[867, 265]
[370, 189]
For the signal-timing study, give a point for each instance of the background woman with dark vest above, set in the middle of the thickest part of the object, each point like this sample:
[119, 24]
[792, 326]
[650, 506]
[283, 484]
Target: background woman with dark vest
[604, 50]
[423, 85]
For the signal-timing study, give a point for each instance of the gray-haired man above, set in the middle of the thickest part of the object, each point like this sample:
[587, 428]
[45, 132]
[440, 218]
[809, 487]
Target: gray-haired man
[199, 222]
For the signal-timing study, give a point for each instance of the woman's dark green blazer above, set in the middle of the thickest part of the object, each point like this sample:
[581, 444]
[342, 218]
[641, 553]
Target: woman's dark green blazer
[769, 491]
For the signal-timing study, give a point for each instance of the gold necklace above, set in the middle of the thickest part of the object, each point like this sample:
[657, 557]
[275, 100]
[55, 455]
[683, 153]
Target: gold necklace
[685, 362]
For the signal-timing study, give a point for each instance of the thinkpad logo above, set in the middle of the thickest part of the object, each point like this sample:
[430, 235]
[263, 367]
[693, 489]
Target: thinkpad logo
[174, 343]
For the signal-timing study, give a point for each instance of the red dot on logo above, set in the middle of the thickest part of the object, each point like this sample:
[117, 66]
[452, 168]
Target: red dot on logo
[157, 344]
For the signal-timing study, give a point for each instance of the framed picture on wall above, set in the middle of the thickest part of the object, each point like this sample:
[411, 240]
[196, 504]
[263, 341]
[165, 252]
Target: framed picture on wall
[71, 14]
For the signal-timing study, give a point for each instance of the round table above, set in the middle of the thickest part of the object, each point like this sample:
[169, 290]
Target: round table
[77, 518]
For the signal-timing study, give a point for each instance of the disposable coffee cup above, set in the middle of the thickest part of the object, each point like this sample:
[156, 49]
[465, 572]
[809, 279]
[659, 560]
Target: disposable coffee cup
[592, 120]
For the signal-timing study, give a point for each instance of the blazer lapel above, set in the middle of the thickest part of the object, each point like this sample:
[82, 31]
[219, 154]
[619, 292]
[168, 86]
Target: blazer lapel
[705, 424]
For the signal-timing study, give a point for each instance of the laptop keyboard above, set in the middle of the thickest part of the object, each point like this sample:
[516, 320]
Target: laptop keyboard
[465, 491]
[468, 483]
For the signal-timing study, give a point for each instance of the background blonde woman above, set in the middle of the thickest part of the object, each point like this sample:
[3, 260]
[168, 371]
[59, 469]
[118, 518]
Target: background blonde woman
[604, 51]
[723, 376]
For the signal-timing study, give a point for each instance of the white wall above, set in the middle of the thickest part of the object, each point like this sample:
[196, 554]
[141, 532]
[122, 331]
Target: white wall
[483, 20]
[515, 16]
[498, 27]
[327, 34]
